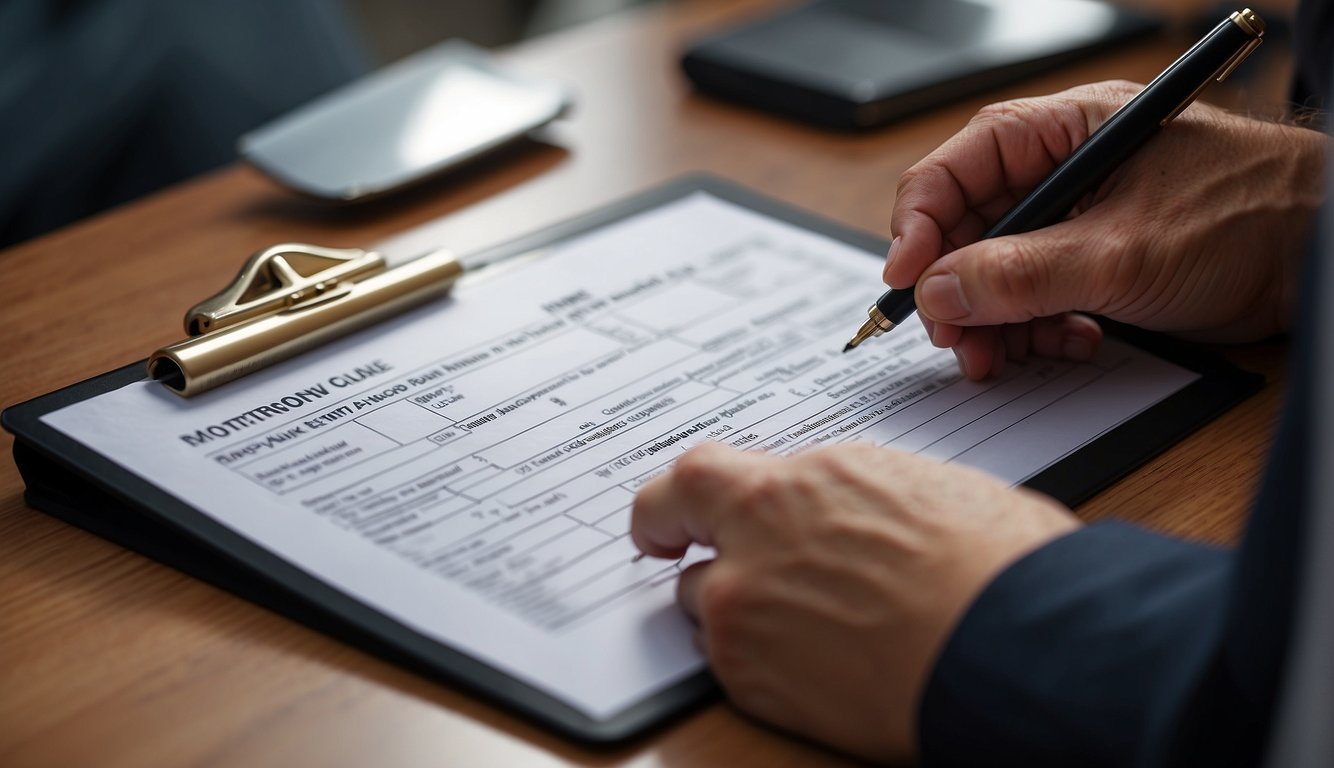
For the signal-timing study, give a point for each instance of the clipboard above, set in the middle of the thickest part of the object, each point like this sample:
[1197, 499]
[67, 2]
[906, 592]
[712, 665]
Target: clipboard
[90, 490]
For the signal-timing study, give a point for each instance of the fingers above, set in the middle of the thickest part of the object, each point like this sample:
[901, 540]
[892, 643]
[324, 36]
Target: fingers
[684, 505]
[950, 197]
[1058, 269]
[922, 227]
[979, 353]
[688, 588]
[983, 351]
[1071, 337]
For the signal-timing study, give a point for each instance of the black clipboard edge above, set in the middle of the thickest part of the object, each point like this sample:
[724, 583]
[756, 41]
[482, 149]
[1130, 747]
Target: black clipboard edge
[64, 477]
[1112, 456]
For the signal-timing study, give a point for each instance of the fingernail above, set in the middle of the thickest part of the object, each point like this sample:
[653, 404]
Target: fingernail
[889, 257]
[1077, 348]
[943, 297]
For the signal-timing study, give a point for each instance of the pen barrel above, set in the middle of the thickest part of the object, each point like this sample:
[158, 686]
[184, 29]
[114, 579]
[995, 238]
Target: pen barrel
[203, 362]
[1137, 121]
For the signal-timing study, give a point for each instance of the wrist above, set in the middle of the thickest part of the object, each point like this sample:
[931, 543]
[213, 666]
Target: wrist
[1305, 172]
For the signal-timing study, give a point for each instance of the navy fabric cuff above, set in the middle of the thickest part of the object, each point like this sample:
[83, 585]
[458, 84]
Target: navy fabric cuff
[1080, 653]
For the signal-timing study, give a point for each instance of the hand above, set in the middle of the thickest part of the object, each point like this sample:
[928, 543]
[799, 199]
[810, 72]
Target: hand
[839, 574]
[1200, 233]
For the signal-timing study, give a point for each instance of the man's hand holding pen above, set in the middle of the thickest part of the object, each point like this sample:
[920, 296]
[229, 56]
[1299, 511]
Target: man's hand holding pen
[1199, 234]
[1084, 150]
[842, 572]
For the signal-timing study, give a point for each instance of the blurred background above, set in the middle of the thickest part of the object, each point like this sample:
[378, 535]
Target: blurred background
[102, 101]
[395, 28]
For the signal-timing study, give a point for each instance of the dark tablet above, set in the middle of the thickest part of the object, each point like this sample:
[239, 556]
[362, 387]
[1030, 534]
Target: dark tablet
[863, 63]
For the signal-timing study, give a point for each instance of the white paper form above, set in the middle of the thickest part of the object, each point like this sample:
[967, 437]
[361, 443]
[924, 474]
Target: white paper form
[468, 468]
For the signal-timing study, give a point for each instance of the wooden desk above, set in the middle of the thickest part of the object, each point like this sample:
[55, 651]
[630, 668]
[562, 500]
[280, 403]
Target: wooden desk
[109, 659]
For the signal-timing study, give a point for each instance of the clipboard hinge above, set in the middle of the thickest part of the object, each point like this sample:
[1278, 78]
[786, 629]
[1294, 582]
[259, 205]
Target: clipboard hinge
[282, 277]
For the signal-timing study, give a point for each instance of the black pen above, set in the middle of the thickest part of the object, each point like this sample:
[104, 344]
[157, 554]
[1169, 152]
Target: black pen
[1211, 59]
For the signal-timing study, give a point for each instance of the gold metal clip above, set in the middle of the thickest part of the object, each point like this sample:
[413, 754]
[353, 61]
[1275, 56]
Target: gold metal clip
[288, 299]
[1239, 56]
[282, 277]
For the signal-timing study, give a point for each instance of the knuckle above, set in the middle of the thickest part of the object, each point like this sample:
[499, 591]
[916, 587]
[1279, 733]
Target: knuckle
[828, 466]
[848, 464]
[1111, 92]
[1120, 87]
[1018, 278]
[1113, 265]
[927, 175]
[695, 473]
[841, 463]
[761, 494]
[721, 598]
[1003, 110]
[1098, 100]
[910, 178]
[861, 452]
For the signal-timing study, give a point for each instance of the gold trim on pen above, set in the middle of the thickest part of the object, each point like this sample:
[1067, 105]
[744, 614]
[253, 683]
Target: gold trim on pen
[1250, 21]
[876, 324]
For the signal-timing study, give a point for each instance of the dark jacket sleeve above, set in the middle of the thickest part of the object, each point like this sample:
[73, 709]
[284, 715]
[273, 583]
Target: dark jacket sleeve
[1313, 45]
[1116, 646]
[1079, 653]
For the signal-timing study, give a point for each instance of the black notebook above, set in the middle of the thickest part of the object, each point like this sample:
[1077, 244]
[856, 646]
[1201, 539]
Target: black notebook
[863, 63]
[451, 489]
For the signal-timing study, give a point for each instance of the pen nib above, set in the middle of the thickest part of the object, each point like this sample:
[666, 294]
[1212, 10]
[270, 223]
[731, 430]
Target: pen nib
[868, 329]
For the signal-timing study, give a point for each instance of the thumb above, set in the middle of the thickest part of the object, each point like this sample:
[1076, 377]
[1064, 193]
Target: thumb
[1011, 280]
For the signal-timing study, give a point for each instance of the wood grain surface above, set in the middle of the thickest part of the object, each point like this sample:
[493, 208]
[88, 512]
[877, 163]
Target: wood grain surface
[109, 659]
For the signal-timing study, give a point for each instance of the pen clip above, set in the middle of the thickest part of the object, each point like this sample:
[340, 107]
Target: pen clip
[280, 277]
[1237, 58]
[1253, 25]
